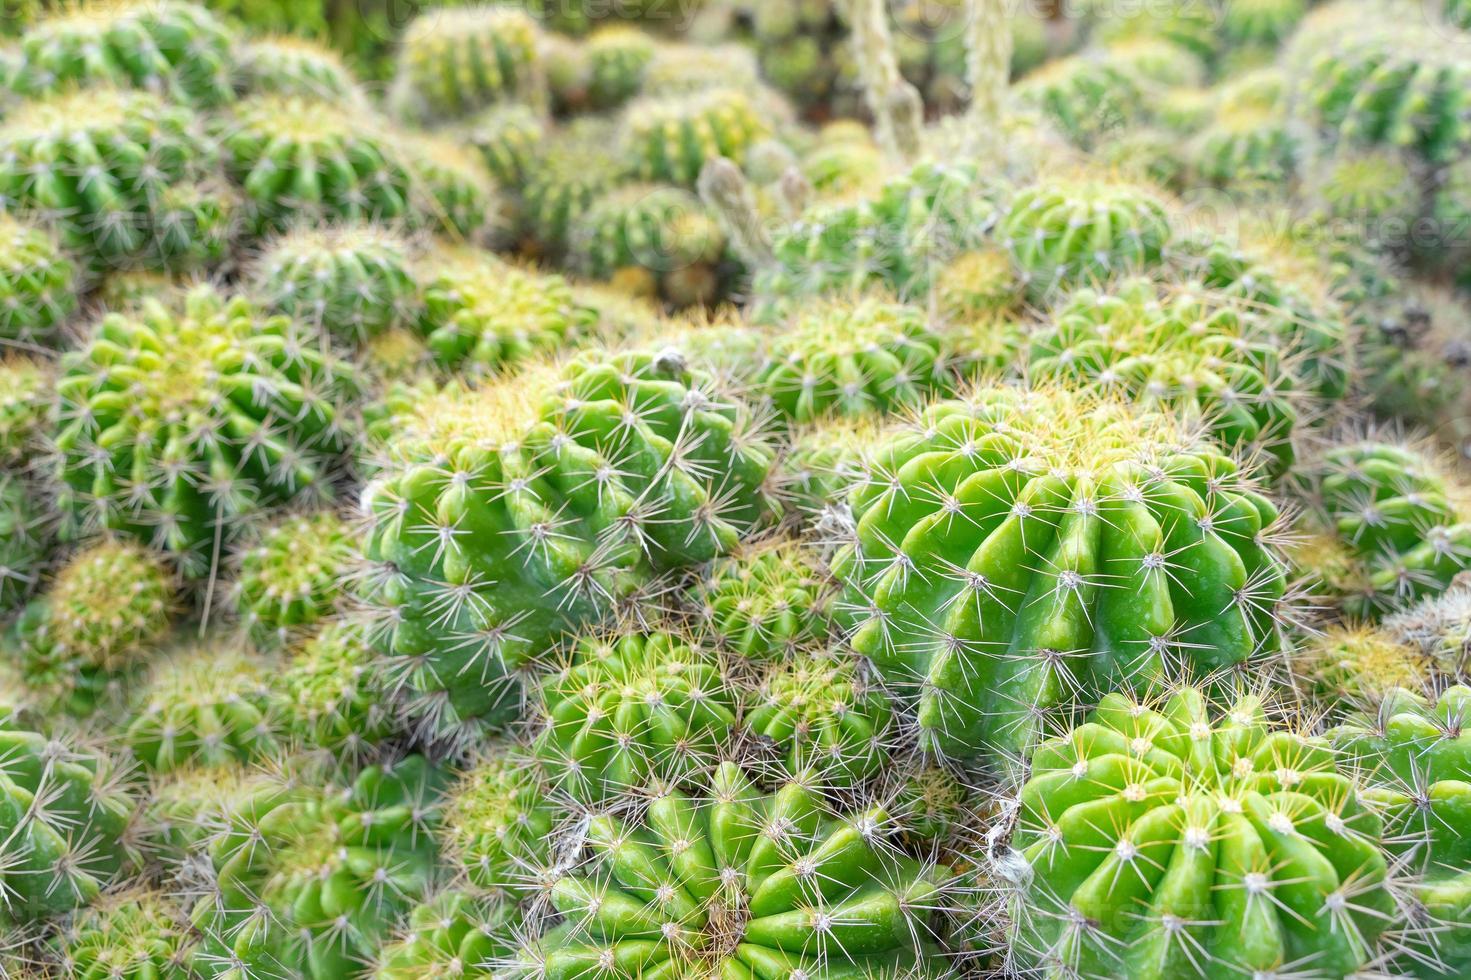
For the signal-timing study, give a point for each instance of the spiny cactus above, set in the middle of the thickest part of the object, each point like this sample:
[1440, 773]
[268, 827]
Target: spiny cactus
[189, 806]
[454, 933]
[453, 192]
[633, 711]
[684, 68]
[932, 804]
[1158, 838]
[825, 461]
[311, 880]
[1156, 61]
[976, 284]
[293, 66]
[1248, 149]
[730, 882]
[27, 534]
[1023, 549]
[134, 934]
[1192, 24]
[455, 62]
[179, 50]
[331, 693]
[1087, 98]
[508, 138]
[503, 523]
[1077, 232]
[291, 578]
[498, 822]
[662, 231]
[1260, 23]
[1438, 628]
[1375, 189]
[38, 284]
[353, 282]
[205, 705]
[616, 59]
[670, 138]
[853, 358]
[766, 601]
[176, 425]
[1359, 663]
[26, 404]
[1414, 365]
[572, 170]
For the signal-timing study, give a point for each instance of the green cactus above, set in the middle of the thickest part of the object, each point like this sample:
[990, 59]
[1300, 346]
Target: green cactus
[663, 231]
[121, 176]
[853, 358]
[508, 138]
[331, 693]
[1075, 233]
[125, 290]
[177, 49]
[824, 461]
[767, 601]
[572, 170]
[500, 523]
[1086, 98]
[207, 705]
[1145, 155]
[670, 138]
[565, 67]
[616, 59]
[932, 805]
[1260, 23]
[730, 882]
[1449, 214]
[189, 806]
[1249, 149]
[453, 192]
[175, 426]
[1376, 189]
[1356, 663]
[290, 578]
[1158, 838]
[292, 66]
[134, 934]
[27, 535]
[455, 62]
[1438, 628]
[454, 933]
[1156, 61]
[353, 282]
[977, 284]
[1212, 359]
[311, 879]
[498, 822]
[26, 405]
[396, 355]
[1023, 549]
[38, 284]
[680, 69]
[1192, 24]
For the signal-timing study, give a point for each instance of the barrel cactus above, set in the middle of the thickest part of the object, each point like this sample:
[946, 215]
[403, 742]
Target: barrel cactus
[454, 933]
[670, 138]
[291, 578]
[1356, 664]
[1438, 628]
[616, 59]
[38, 283]
[453, 192]
[766, 601]
[27, 535]
[573, 169]
[295, 66]
[1087, 98]
[508, 138]
[331, 694]
[133, 934]
[498, 822]
[455, 62]
[663, 232]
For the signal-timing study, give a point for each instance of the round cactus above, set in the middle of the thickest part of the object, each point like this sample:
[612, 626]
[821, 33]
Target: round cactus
[311, 880]
[1260, 23]
[1259, 853]
[680, 69]
[331, 693]
[1023, 549]
[134, 934]
[1358, 663]
[669, 138]
[730, 882]
[977, 284]
[836, 358]
[1087, 98]
[1192, 24]
[26, 405]
[1156, 61]
[204, 706]
[1377, 190]
[177, 49]
[353, 282]
[291, 579]
[767, 600]
[1438, 629]
[455, 62]
[1064, 233]
[454, 933]
[664, 231]
[825, 461]
[176, 425]
[932, 805]
[27, 533]
[188, 807]
[497, 822]
[38, 284]
[453, 192]
[616, 59]
[293, 66]
[1248, 149]
[508, 138]
[573, 169]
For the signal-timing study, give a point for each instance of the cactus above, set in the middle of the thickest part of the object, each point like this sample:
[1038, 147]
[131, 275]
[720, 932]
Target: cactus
[482, 315]
[27, 534]
[454, 933]
[26, 405]
[731, 882]
[1260, 23]
[766, 601]
[331, 693]
[976, 284]
[498, 822]
[665, 231]
[1145, 155]
[530, 547]
[453, 192]
[509, 139]
[175, 426]
[823, 463]
[1068, 232]
[1156, 62]
[134, 934]
[616, 60]
[207, 705]
[1087, 98]
[177, 49]
[97, 620]
[1359, 663]
[353, 282]
[290, 579]
[1438, 628]
[1192, 24]
[932, 805]
[1214, 360]
[1414, 364]
[1259, 853]
[680, 69]
[189, 806]
[670, 138]
[1001, 549]
[311, 879]
[1376, 189]
[1248, 149]
[573, 169]
[119, 175]
[453, 63]
[290, 66]
[38, 284]
[632, 711]
[298, 159]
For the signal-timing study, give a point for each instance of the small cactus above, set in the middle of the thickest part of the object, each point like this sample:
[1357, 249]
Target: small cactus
[670, 138]
[454, 933]
[453, 63]
[767, 601]
[1086, 98]
[664, 231]
[133, 934]
[291, 578]
[38, 284]
[292, 66]
[508, 138]
[498, 822]
[331, 694]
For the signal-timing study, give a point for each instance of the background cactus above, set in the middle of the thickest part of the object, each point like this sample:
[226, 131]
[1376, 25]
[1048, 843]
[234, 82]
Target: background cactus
[664, 233]
[27, 534]
[1087, 98]
[453, 933]
[498, 823]
[292, 66]
[133, 934]
[455, 62]
[670, 138]
[38, 284]
[767, 600]
[291, 579]
[331, 693]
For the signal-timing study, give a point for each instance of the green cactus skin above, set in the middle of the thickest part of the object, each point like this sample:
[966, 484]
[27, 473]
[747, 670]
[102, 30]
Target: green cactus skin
[868, 357]
[1377, 189]
[681, 69]
[353, 282]
[27, 401]
[27, 535]
[664, 231]
[119, 175]
[509, 139]
[766, 601]
[821, 715]
[1395, 512]
[179, 50]
[331, 693]
[134, 934]
[453, 191]
[498, 822]
[1023, 549]
[175, 426]
[474, 583]
[1248, 149]
[298, 159]
[669, 138]
[1146, 154]
[189, 806]
[291, 66]
[310, 880]
[64, 821]
[38, 284]
[824, 462]
[482, 315]
[205, 706]
[631, 712]
[616, 59]
[1163, 842]
[572, 170]
[1070, 233]
[1086, 98]
[455, 933]
[98, 619]
[1155, 61]
[1260, 23]
[1206, 356]
[732, 883]
[291, 579]
[1438, 628]
[1356, 664]
[1192, 24]
[453, 63]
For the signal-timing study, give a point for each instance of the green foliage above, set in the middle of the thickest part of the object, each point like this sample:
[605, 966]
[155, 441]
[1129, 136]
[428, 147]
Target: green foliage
[291, 577]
